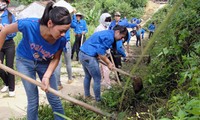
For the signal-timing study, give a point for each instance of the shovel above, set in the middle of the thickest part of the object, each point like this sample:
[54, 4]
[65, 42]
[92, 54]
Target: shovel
[137, 81]
[66, 97]
[82, 36]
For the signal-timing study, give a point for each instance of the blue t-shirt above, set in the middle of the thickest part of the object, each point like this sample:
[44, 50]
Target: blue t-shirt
[67, 35]
[133, 20]
[142, 32]
[5, 21]
[122, 23]
[98, 43]
[33, 46]
[120, 48]
[152, 27]
[138, 32]
[79, 26]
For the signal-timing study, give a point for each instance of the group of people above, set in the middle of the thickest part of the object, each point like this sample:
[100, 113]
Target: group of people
[43, 41]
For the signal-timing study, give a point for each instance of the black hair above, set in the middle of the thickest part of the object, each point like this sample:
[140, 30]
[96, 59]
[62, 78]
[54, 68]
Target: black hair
[122, 30]
[58, 15]
[7, 2]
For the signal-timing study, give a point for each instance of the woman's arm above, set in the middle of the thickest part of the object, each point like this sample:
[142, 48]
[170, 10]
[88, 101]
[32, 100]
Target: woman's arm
[12, 28]
[107, 61]
[52, 66]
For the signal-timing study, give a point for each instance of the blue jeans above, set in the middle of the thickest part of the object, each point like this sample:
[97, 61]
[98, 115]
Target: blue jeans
[92, 70]
[30, 68]
[57, 71]
[67, 56]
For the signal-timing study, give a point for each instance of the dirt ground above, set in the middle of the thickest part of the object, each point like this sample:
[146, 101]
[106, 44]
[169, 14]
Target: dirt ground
[15, 107]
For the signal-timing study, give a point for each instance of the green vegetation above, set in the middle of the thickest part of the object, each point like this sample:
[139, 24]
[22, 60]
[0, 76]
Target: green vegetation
[174, 71]
[171, 80]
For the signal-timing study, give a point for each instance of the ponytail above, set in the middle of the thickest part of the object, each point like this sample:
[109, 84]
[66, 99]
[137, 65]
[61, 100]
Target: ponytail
[58, 15]
[45, 16]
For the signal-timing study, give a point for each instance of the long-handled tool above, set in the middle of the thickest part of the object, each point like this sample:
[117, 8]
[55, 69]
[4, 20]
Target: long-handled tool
[82, 36]
[66, 97]
[137, 84]
[115, 71]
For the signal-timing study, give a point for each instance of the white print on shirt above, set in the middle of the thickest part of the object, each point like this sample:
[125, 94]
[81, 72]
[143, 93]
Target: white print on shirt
[38, 48]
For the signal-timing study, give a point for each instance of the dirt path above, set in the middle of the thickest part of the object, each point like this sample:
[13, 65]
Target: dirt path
[16, 107]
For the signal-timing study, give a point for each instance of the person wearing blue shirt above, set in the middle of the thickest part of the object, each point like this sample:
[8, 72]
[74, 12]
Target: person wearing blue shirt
[8, 49]
[151, 29]
[124, 23]
[39, 53]
[118, 21]
[133, 20]
[142, 32]
[136, 20]
[93, 48]
[80, 29]
[138, 35]
[125, 19]
[119, 49]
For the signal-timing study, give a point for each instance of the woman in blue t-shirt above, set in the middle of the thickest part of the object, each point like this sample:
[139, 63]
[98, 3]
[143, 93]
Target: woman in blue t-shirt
[93, 48]
[39, 53]
[8, 49]
[138, 35]
[151, 29]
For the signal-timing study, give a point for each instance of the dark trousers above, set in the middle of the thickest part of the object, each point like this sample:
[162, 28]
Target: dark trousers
[8, 52]
[76, 45]
[117, 60]
[138, 40]
[150, 34]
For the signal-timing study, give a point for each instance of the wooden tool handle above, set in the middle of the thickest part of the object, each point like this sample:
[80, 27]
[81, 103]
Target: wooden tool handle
[117, 69]
[66, 97]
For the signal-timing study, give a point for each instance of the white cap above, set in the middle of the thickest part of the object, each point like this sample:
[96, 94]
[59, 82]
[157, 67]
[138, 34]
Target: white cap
[64, 4]
[79, 14]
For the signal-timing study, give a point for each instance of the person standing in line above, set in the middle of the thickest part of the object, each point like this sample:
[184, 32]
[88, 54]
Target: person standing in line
[105, 20]
[39, 53]
[8, 49]
[67, 58]
[125, 19]
[118, 50]
[151, 29]
[117, 21]
[138, 35]
[80, 29]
